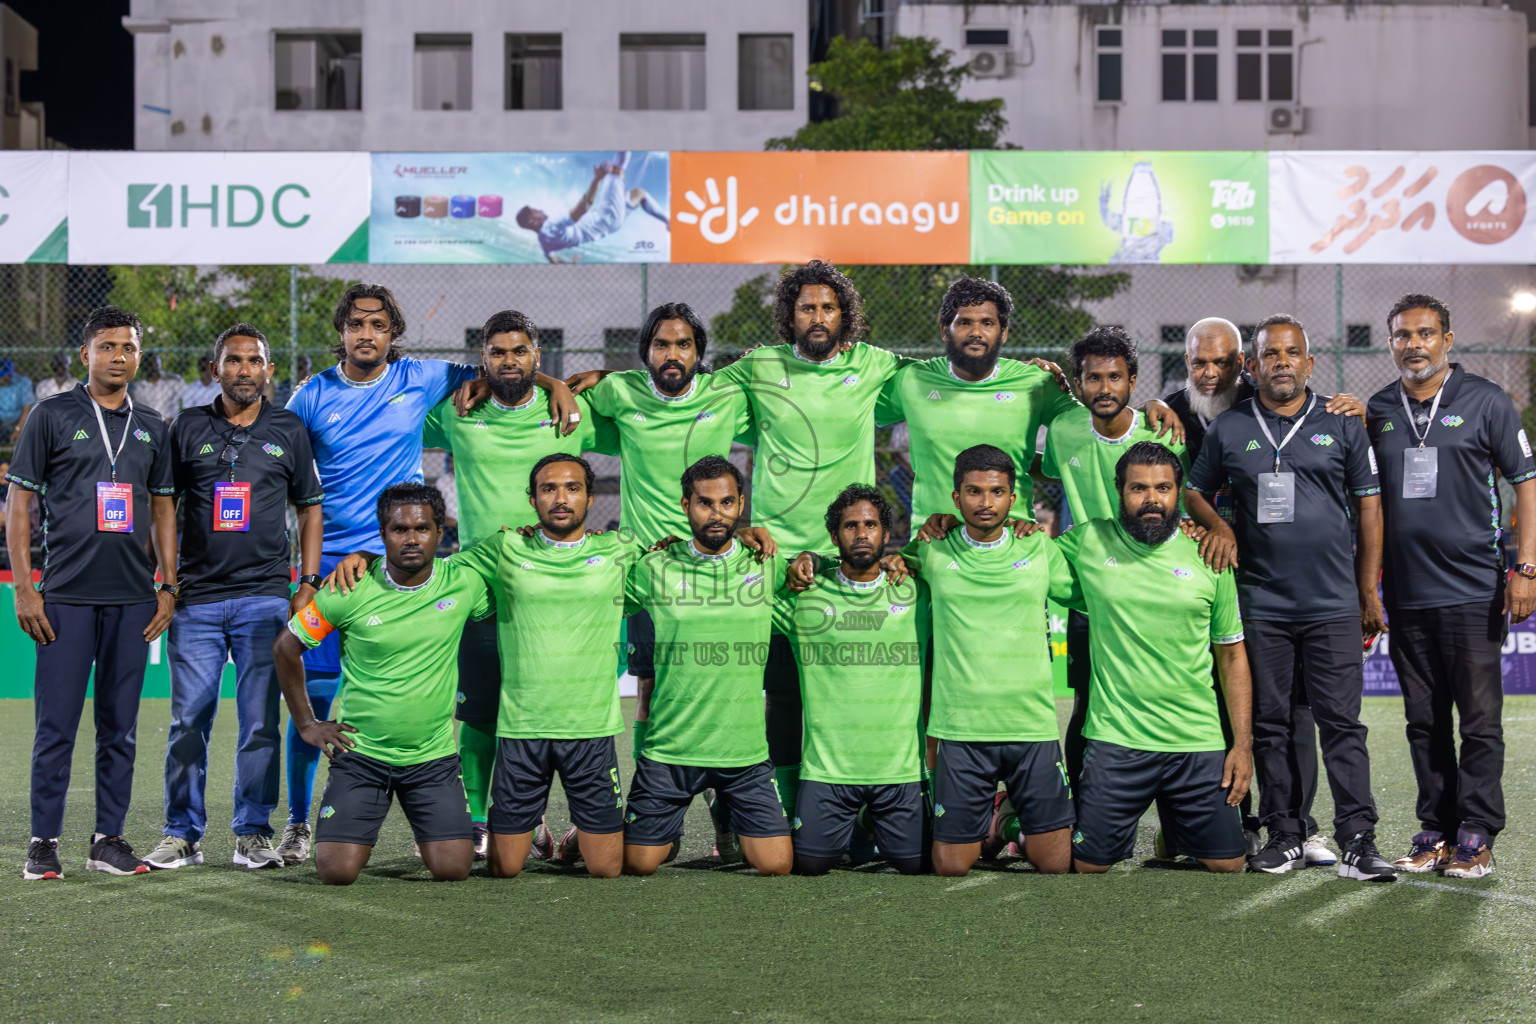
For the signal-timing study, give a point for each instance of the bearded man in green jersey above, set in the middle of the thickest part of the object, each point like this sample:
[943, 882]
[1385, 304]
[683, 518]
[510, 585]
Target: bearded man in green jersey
[1082, 450]
[1153, 732]
[392, 736]
[712, 604]
[497, 441]
[993, 708]
[859, 640]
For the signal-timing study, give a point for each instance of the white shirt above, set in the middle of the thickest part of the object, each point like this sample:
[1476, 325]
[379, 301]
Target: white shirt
[197, 393]
[163, 395]
[50, 387]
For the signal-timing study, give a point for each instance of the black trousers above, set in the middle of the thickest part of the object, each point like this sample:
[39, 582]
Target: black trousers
[110, 637]
[1449, 658]
[1324, 658]
[1303, 728]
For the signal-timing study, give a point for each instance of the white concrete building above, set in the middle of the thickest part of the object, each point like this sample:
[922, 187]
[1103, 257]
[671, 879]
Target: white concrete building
[1265, 76]
[22, 125]
[451, 75]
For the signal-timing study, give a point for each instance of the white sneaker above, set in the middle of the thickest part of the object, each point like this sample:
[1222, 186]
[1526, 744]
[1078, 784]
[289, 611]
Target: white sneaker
[1317, 853]
[255, 851]
[175, 852]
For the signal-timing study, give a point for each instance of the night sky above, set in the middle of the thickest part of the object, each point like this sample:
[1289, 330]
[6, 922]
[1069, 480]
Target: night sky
[85, 70]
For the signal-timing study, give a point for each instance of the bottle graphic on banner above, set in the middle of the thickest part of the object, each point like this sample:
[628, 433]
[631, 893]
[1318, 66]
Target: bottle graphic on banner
[1144, 234]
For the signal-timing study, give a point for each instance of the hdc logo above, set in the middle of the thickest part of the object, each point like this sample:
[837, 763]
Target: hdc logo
[244, 206]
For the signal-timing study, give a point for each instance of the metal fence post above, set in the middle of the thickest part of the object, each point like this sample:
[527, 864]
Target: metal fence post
[645, 291]
[1338, 325]
[293, 323]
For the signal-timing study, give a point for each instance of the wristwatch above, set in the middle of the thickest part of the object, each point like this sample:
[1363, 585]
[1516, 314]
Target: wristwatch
[1526, 569]
[173, 588]
[311, 580]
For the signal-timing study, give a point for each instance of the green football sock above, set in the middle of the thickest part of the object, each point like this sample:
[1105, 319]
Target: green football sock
[1011, 828]
[787, 781]
[477, 755]
[641, 728]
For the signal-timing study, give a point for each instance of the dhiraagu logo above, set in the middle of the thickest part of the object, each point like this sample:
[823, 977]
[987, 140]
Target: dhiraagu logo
[165, 205]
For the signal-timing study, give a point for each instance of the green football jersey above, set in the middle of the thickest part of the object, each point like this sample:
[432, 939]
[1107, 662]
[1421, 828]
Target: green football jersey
[860, 651]
[558, 607]
[714, 617]
[946, 415]
[399, 657]
[494, 448]
[659, 436]
[815, 434]
[991, 649]
[1084, 461]
[1155, 611]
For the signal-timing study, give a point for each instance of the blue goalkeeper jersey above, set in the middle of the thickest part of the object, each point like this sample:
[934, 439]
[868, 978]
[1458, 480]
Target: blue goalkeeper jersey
[367, 437]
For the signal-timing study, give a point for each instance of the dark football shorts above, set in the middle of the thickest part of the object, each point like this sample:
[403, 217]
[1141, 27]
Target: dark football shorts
[479, 696]
[640, 633]
[965, 785]
[660, 794]
[825, 814]
[525, 771]
[358, 793]
[1119, 784]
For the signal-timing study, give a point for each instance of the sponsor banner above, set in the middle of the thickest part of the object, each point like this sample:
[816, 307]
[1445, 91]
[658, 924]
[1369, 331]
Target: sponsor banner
[1096, 207]
[151, 208]
[34, 206]
[520, 208]
[1518, 663]
[844, 207]
[1402, 207]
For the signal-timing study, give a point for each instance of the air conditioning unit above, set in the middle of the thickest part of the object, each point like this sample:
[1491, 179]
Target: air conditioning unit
[989, 61]
[1285, 119]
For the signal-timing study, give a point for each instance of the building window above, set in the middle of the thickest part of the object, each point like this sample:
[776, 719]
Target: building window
[552, 351]
[533, 72]
[765, 72]
[318, 71]
[1265, 65]
[661, 72]
[1109, 54]
[1357, 336]
[1189, 65]
[443, 64]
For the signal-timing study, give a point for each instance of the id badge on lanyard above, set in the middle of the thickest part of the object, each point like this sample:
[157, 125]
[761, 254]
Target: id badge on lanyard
[1421, 465]
[1277, 490]
[231, 507]
[114, 501]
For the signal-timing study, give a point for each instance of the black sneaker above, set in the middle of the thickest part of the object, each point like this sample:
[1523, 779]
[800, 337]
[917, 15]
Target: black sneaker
[1360, 860]
[1283, 852]
[42, 860]
[113, 855]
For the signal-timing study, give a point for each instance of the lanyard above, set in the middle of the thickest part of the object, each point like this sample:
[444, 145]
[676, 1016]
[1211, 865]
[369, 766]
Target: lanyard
[1433, 408]
[102, 423]
[1259, 415]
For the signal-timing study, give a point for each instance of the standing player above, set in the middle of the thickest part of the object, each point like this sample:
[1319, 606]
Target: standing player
[364, 416]
[500, 440]
[712, 603]
[392, 735]
[1153, 732]
[993, 709]
[1306, 586]
[1082, 450]
[1440, 433]
[860, 641]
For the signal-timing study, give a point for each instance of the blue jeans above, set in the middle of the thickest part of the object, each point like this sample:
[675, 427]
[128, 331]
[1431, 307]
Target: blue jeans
[202, 637]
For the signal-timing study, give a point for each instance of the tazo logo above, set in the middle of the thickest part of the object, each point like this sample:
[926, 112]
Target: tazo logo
[244, 206]
[713, 211]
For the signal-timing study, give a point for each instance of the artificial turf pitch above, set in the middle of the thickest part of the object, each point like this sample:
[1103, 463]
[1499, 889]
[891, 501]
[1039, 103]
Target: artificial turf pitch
[702, 943]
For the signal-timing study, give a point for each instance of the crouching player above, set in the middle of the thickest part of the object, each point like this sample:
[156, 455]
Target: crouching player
[392, 736]
[859, 640]
[993, 709]
[1153, 732]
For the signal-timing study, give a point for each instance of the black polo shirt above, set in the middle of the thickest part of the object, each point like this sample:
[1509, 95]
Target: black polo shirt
[1444, 550]
[1194, 426]
[279, 465]
[1301, 571]
[60, 457]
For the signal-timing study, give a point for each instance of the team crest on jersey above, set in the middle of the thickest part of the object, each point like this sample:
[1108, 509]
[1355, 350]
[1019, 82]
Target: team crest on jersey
[396, 400]
[752, 580]
[938, 810]
[1022, 563]
[546, 423]
[851, 379]
[374, 620]
[527, 565]
[80, 435]
[595, 560]
[1323, 439]
[705, 416]
[327, 811]
[1183, 574]
[899, 609]
[1074, 462]
[207, 449]
[952, 564]
[480, 425]
[1452, 420]
[1253, 446]
[1387, 427]
[142, 436]
[274, 450]
[639, 417]
[445, 604]
[335, 418]
[1004, 396]
[1110, 561]
[459, 696]
[935, 396]
[785, 382]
